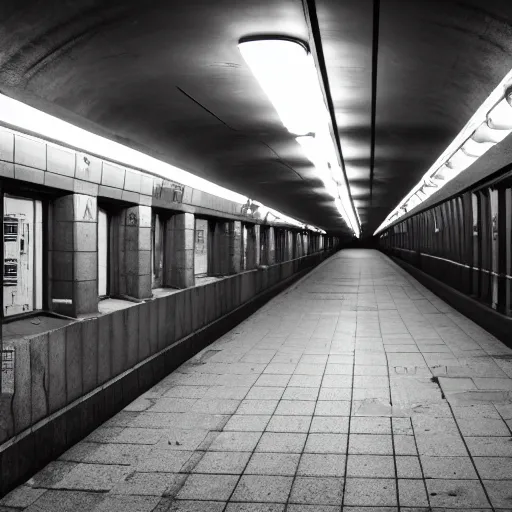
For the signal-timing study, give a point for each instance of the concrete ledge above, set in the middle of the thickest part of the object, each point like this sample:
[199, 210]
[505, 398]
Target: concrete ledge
[29, 451]
[497, 324]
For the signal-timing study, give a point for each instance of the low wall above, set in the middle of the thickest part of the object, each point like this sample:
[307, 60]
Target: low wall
[496, 323]
[70, 380]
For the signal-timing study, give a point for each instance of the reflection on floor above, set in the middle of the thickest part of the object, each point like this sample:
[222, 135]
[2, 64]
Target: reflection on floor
[355, 388]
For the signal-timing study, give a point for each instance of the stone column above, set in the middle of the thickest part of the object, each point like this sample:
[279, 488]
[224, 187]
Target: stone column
[74, 255]
[288, 246]
[235, 247]
[271, 246]
[257, 245]
[135, 252]
[179, 253]
[253, 247]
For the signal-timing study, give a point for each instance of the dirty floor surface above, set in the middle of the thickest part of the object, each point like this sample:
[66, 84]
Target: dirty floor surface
[355, 390]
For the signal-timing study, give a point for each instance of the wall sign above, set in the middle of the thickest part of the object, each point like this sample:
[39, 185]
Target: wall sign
[7, 380]
[168, 191]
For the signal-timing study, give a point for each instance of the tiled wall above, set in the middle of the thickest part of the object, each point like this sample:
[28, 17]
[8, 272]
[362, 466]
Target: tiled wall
[36, 161]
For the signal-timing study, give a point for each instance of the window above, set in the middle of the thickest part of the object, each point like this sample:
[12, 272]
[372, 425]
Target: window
[157, 250]
[245, 244]
[264, 241]
[23, 255]
[201, 248]
[103, 250]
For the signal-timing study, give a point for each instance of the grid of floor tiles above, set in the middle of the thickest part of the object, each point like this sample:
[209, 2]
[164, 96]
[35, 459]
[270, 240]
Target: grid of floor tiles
[355, 390]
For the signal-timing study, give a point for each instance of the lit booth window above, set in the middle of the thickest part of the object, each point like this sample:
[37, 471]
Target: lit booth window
[264, 241]
[201, 248]
[23, 255]
[103, 252]
[157, 250]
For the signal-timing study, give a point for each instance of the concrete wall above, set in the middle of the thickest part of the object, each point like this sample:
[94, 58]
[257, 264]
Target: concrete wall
[70, 380]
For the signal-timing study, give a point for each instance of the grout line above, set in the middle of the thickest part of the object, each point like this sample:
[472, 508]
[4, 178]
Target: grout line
[470, 456]
[421, 463]
[350, 415]
[294, 478]
[392, 431]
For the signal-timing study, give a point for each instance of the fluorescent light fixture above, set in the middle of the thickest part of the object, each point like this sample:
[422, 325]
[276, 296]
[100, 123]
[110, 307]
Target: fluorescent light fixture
[460, 161]
[314, 153]
[490, 124]
[500, 117]
[484, 134]
[476, 149]
[286, 72]
[24, 117]
[283, 69]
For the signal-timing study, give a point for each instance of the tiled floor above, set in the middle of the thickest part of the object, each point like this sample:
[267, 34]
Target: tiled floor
[355, 390]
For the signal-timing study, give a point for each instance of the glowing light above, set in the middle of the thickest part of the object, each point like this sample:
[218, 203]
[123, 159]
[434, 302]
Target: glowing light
[473, 148]
[460, 161]
[286, 72]
[26, 118]
[315, 155]
[490, 124]
[484, 134]
[500, 117]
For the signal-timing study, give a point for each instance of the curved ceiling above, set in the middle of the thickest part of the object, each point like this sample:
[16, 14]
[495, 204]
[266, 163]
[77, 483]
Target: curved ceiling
[167, 78]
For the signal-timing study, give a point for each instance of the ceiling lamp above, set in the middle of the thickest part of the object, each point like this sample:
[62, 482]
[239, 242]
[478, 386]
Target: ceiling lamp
[476, 149]
[460, 161]
[490, 124]
[315, 155]
[286, 72]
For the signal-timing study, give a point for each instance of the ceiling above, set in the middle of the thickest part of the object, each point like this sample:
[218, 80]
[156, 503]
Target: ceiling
[167, 78]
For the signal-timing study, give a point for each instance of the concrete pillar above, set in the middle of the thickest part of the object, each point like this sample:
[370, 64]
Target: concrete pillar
[135, 252]
[288, 245]
[179, 253]
[271, 246]
[235, 247]
[74, 256]
[257, 245]
[305, 244]
[251, 251]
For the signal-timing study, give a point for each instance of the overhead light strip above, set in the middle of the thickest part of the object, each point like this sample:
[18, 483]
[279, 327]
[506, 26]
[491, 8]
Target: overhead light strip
[26, 118]
[286, 72]
[490, 124]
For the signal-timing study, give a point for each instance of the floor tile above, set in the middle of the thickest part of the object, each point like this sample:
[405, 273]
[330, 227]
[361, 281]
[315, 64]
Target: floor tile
[283, 464]
[370, 492]
[313, 464]
[317, 491]
[326, 443]
[370, 466]
[463, 494]
[232, 463]
[366, 444]
[281, 442]
[289, 424]
[208, 487]
[260, 488]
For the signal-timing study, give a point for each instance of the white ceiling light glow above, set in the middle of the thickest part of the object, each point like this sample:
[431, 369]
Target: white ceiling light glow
[490, 124]
[286, 72]
[25, 118]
